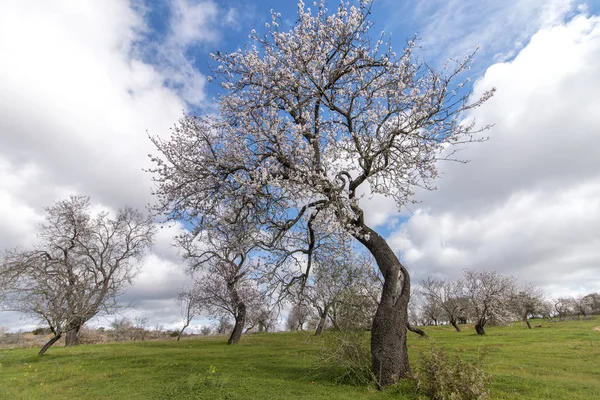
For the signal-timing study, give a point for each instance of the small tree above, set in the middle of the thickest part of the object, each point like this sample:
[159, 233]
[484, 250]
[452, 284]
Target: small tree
[188, 308]
[489, 295]
[223, 324]
[343, 287]
[299, 315]
[309, 118]
[263, 318]
[78, 267]
[445, 296]
[123, 329]
[221, 256]
[527, 302]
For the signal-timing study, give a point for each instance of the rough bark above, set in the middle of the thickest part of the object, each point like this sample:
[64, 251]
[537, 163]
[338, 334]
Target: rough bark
[72, 337]
[416, 330]
[479, 328]
[527, 321]
[322, 321]
[388, 334]
[49, 343]
[240, 320]
[455, 325]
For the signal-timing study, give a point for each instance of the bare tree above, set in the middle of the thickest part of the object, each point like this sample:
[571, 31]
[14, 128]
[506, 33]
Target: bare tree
[432, 312]
[205, 330]
[187, 300]
[263, 317]
[223, 324]
[222, 257]
[310, 118]
[489, 295]
[79, 266]
[445, 296]
[123, 329]
[298, 316]
[342, 282]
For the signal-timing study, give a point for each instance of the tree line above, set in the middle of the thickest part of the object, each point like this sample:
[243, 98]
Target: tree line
[482, 297]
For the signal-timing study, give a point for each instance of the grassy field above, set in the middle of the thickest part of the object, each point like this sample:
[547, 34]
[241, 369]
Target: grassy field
[558, 361]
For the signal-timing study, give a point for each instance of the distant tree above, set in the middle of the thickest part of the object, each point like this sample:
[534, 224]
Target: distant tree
[223, 324]
[581, 306]
[527, 302]
[139, 328]
[432, 312]
[444, 297]
[310, 118]
[299, 315]
[205, 330]
[263, 318]
[414, 310]
[592, 302]
[187, 300]
[563, 307]
[221, 259]
[79, 266]
[122, 329]
[343, 287]
[489, 295]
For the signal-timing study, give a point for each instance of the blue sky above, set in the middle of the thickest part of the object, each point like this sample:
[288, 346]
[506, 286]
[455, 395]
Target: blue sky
[83, 83]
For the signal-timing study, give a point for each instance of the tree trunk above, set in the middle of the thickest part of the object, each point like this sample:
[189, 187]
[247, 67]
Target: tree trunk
[248, 329]
[479, 328]
[50, 343]
[322, 321]
[527, 321]
[181, 331]
[261, 327]
[455, 325]
[416, 330]
[389, 354]
[240, 320]
[72, 337]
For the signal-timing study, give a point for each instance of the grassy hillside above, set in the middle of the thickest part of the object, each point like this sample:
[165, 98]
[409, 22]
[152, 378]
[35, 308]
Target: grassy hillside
[557, 361]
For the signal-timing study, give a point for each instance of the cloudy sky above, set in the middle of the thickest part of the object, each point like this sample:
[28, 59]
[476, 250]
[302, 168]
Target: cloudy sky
[83, 83]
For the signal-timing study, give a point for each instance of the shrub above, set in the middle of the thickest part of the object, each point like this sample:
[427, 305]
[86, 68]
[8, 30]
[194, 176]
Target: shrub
[443, 378]
[345, 357]
[41, 331]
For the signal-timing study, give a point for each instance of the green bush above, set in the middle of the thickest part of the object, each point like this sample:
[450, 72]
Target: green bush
[345, 357]
[443, 378]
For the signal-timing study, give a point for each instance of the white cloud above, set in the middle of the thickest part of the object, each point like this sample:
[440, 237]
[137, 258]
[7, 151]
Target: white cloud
[454, 28]
[193, 22]
[528, 203]
[75, 108]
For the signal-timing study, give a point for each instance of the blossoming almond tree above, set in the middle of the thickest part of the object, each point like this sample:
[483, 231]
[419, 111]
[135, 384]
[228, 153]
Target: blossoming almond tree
[308, 117]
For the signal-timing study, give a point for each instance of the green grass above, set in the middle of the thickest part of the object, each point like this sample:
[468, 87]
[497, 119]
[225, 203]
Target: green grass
[557, 361]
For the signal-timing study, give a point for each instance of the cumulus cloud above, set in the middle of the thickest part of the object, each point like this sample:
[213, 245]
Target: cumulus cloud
[78, 103]
[528, 202]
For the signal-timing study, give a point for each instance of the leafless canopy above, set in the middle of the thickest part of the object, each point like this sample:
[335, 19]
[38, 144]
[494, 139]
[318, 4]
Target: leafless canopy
[79, 265]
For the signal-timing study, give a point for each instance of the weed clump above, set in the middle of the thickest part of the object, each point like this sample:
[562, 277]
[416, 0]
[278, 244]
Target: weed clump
[440, 377]
[345, 357]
